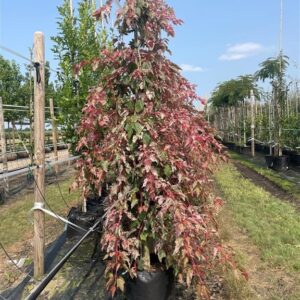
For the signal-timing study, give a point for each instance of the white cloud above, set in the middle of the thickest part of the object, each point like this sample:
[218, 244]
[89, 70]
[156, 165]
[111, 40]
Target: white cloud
[191, 68]
[241, 51]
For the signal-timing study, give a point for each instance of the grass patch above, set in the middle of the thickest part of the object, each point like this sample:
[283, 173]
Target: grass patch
[15, 224]
[273, 226]
[273, 176]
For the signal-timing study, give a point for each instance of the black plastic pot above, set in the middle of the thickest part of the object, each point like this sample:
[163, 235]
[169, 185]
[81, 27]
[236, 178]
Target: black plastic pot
[2, 196]
[22, 154]
[295, 159]
[87, 219]
[280, 163]
[47, 149]
[62, 146]
[243, 149]
[269, 160]
[266, 149]
[156, 285]
[230, 145]
[259, 147]
[81, 219]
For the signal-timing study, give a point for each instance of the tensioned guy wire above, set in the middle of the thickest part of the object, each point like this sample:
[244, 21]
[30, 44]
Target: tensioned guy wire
[15, 264]
[23, 57]
[47, 203]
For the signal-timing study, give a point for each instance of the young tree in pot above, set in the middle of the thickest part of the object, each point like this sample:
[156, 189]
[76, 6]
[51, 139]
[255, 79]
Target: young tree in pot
[144, 143]
[275, 69]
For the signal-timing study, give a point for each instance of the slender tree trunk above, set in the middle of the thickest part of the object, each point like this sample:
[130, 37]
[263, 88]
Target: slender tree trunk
[13, 135]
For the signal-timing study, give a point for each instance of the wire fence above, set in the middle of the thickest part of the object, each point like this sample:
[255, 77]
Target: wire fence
[16, 216]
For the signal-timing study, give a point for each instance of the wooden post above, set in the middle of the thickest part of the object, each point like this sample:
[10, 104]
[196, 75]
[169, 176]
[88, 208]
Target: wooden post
[252, 124]
[39, 150]
[31, 112]
[69, 154]
[244, 123]
[54, 134]
[3, 148]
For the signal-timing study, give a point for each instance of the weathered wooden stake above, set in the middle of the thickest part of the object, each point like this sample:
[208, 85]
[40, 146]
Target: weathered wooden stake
[3, 148]
[252, 124]
[54, 134]
[31, 121]
[39, 150]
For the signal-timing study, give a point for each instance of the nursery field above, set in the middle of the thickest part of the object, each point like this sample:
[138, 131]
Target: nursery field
[260, 226]
[119, 181]
[16, 228]
[264, 232]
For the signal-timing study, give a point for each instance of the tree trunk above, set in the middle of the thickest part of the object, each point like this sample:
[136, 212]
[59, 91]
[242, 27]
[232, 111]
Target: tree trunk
[13, 135]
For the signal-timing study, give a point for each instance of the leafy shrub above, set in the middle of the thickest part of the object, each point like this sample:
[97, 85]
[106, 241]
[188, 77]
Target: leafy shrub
[145, 145]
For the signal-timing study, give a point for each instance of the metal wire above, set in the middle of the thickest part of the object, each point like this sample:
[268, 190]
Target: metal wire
[23, 57]
[58, 186]
[13, 262]
[47, 203]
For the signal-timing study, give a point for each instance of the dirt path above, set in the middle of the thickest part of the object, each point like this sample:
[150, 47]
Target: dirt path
[265, 282]
[266, 184]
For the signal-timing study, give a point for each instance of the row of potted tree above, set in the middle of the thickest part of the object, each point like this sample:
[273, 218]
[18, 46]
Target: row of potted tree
[275, 116]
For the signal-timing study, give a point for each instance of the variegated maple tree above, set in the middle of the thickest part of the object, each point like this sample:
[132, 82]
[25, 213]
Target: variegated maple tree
[143, 142]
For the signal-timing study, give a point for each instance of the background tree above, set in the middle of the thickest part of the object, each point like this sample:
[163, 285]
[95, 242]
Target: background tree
[274, 69]
[79, 38]
[233, 92]
[11, 81]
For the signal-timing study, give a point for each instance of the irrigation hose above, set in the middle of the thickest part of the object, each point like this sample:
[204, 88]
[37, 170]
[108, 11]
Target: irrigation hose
[42, 285]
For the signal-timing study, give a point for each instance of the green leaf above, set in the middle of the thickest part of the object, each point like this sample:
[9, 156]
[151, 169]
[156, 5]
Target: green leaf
[140, 265]
[134, 224]
[146, 138]
[129, 129]
[139, 106]
[144, 236]
[130, 106]
[134, 201]
[138, 128]
[104, 165]
[161, 255]
[168, 170]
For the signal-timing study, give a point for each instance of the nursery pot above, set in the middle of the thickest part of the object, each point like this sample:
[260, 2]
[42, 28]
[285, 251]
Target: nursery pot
[269, 160]
[151, 285]
[2, 196]
[243, 149]
[295, 158]
[47, 149]
[62, 147]
[231, 145]
[22, 154]
[81, 219]
[259, 147]
[85, 219]
[266, 149]
[280, 163]
[11, 156]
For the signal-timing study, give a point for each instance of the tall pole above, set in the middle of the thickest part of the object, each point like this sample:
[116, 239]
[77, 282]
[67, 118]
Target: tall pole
[71, 7]
[39, 150]
[3, 148]
[281, 27]
[252, 124]
[54, 134]
[270, 127]
[31, 111]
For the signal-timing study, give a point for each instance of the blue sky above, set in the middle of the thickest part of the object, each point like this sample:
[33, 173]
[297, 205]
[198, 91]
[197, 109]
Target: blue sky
[219, 40]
